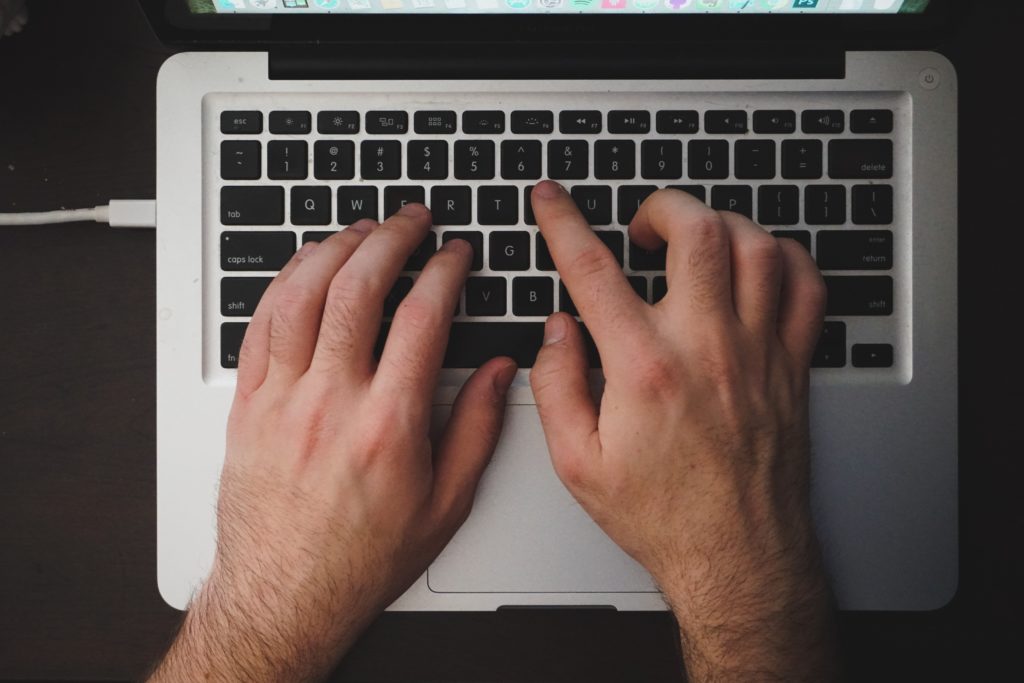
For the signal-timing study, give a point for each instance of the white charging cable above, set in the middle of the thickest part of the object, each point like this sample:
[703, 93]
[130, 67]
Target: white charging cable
[119, 213]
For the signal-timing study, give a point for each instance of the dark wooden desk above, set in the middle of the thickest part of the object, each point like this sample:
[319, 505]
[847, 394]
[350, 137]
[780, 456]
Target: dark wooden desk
[78, 596]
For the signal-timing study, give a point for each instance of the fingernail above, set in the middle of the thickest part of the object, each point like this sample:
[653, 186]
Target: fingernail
[363, 225]
[549, 189]
[412, 210]
[554, 330]
[503, 380]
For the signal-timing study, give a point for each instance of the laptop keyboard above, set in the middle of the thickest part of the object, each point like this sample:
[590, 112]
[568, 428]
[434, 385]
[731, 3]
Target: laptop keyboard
[824, 177]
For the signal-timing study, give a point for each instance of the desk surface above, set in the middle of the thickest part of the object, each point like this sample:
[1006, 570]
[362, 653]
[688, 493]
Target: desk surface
[77, 399]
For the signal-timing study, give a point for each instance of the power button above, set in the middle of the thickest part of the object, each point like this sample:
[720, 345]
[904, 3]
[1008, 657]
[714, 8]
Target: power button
[930, 78]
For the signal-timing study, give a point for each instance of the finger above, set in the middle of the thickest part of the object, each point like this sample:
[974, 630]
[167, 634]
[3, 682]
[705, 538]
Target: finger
[756, 274]
[589, 270]
[355, 299]
[469, 439]
[298, 306]
[697, 266]
[567, 410]
[254, 355]
[418, 337]
[801, 303]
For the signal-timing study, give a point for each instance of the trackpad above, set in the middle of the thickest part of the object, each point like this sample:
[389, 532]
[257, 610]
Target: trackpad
[526, 533]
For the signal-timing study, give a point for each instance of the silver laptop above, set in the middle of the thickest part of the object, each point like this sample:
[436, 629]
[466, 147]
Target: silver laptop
[310, 114]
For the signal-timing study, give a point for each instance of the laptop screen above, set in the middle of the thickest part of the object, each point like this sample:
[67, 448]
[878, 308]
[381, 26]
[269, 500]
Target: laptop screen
[558, 6]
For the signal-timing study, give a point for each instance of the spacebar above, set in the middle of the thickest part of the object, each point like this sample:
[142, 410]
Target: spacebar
[470, 345]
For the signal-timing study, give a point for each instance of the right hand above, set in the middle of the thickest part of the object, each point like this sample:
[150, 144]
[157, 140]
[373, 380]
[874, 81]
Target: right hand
[696, 463]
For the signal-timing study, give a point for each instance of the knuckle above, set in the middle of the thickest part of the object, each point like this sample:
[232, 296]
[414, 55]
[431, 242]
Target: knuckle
[572, 470]
[762, 248]
[656, 374]
[592, 261]
[420, 314]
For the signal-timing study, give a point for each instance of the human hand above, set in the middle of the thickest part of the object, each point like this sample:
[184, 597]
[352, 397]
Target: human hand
[333, 497]
[696, 463]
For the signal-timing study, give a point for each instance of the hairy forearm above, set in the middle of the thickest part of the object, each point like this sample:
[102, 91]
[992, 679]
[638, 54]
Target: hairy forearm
[230, 635]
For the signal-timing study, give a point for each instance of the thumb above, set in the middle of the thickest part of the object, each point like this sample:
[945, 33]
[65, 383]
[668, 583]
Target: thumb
[560, 387]
[469, 438]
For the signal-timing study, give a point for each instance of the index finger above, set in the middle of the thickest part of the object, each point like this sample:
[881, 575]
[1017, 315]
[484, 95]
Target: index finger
[590, 272]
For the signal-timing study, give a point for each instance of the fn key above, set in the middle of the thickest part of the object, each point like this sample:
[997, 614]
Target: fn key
[231, 335]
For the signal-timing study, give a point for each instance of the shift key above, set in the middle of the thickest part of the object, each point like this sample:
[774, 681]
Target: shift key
[256, 250]
[251, 205]
[859, 295]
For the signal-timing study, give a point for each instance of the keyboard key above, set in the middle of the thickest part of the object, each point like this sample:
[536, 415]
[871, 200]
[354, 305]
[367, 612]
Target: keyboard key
[419, 257]
[252, 205]
[738, 198]
[614, 240]
[316, 235]
[872, 204]
[825, 205]
[434, 122]
[614, 159]
[509, 250]
[855, 250]
[568, 159]
[387, 122]
[287, 160]
[355, 202]
[859, 295]
[311, 205]
[860, 159]
[290, 122]
[520, 159]
[661, 159]
[474, 159]
[241, 160]
[801, 159]
[659, 288]
[485, 296]
[527, 122]
[698, 191]
[240, 295]
[475, 239]
[231, 336]
[629, 122]
[823, 122]
[755, 159]
[801, 236]
[639, 285]
[725, 122]
[877, 121]
[483, 122]
[470, 345]
[451, 204]
[397, 196]
[381, 159]
[565, 303]
[644, 259]
[775, 121]
[528, 216]
[334, 159]
[831, 349]
[497, 205]
[630, 199]
[678, 122]
[708, 159]
[778, 205]
[337, 122]
[574, 122]
[872, 355]
[399, 291]
[256, 250]
[241, 122]
[533, 296]
[428, 159]
[544, 260]
[594, 202]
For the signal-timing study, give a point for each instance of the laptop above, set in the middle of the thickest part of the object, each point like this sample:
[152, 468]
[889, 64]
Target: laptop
[827, 121]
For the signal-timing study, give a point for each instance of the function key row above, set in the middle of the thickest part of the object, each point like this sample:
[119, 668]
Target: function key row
[540, 122]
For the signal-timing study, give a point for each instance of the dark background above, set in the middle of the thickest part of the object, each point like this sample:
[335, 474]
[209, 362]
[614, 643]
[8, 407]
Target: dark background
[78, 596]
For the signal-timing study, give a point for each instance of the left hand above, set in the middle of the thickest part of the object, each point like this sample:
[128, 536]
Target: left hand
[334, 499]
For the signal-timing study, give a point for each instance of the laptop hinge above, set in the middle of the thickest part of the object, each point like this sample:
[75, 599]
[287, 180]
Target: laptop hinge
[741, 60]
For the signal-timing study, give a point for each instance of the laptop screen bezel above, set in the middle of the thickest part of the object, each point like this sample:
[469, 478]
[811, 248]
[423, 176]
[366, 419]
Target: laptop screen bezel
[176, 25]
